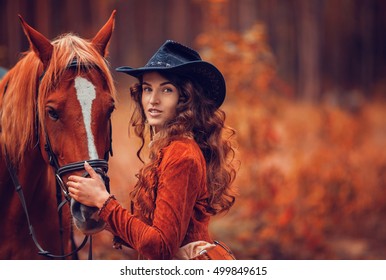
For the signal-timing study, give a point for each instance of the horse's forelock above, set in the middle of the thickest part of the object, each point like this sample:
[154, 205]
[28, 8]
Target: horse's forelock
[68, 47]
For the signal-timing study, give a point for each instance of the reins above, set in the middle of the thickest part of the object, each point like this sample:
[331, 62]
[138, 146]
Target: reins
[19, 191]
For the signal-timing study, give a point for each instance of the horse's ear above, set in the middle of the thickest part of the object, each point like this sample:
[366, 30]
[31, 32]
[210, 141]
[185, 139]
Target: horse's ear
[102, 38]
[39, 44]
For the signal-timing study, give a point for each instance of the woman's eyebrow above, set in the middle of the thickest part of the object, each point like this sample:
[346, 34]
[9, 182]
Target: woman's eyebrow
[166, 83]
[161, 84]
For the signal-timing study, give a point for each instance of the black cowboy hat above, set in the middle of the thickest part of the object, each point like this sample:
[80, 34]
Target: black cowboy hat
[176, 58]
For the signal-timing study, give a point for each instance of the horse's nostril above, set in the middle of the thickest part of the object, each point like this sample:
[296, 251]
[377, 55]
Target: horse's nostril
[76, 211]
[86, 218]
[81, 212]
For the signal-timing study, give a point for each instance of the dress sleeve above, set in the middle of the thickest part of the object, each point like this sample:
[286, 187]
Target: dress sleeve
[180, 178]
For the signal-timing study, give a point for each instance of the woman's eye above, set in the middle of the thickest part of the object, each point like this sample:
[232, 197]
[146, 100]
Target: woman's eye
[167, 90]
[53, 114]
[146, 89]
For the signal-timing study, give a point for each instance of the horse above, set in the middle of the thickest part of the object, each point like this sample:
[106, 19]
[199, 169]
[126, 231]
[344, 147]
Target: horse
[55, 113]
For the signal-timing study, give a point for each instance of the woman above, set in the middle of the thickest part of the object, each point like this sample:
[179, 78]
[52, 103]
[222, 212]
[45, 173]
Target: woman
[189, 173]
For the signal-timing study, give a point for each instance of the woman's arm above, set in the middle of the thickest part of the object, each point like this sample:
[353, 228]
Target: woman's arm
[179, 181]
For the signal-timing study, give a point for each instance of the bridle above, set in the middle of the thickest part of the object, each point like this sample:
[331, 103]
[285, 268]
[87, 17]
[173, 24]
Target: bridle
[99, 165]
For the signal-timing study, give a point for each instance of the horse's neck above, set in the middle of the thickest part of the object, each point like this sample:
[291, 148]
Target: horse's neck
[38, 185]
[33, 173]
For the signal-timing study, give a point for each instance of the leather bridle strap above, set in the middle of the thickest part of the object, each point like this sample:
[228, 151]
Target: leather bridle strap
[19, 191]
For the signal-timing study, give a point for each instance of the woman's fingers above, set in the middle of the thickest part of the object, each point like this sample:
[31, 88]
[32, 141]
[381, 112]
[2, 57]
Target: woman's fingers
[72, 190]
[87, 190]
[74, 184]
[90, 170]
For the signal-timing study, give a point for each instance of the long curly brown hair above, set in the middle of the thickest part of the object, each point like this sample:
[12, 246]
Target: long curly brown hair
[196, 117]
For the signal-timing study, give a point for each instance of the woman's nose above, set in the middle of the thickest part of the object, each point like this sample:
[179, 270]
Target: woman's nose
[154, 98]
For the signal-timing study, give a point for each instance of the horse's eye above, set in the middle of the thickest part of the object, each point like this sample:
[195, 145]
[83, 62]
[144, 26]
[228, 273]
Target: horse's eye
[110, 111]
[53, 114]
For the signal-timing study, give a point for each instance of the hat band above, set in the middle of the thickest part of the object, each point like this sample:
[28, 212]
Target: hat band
[158, 64]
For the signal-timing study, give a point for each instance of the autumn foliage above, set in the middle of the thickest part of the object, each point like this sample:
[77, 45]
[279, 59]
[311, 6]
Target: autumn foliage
[312, 177]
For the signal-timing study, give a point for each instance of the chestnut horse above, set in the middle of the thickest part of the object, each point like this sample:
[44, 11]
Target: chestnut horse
[55, 109]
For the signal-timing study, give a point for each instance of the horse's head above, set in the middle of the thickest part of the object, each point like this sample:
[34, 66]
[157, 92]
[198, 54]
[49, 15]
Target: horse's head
[75, 99]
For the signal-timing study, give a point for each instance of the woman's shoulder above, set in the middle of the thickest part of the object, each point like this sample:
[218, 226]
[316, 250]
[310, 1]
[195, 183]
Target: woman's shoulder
[183, 148]
[183, 142]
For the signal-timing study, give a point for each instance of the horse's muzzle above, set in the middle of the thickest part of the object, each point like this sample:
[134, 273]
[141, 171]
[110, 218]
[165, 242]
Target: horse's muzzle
[85, 218]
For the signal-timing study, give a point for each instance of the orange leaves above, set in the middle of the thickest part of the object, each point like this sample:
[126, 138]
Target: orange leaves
[246, 60]
[308, 173]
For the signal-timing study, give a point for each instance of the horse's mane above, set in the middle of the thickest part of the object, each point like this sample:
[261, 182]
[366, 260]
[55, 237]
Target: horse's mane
[22, 97]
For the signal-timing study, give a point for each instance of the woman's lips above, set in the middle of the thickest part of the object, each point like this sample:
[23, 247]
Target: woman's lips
[154, 112]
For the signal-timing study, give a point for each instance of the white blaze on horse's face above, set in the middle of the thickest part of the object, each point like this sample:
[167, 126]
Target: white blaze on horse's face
[86, 94]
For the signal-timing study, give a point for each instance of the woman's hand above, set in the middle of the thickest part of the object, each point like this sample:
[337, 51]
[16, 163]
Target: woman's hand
[88, 191]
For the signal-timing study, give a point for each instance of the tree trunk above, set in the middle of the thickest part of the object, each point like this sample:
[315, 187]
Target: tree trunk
[309, 65]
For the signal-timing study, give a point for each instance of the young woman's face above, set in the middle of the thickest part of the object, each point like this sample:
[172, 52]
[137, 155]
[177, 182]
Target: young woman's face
[159, 99]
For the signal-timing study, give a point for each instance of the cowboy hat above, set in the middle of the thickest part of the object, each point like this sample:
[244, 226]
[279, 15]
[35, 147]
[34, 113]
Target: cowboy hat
[176, 58]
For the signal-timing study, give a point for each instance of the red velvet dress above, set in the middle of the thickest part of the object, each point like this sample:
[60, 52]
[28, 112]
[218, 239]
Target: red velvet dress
[179, 216]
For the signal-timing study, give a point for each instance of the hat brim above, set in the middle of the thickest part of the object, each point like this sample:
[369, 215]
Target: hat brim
[205, 73]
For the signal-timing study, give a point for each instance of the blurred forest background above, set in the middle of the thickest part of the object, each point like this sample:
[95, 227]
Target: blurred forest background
[305, 92]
